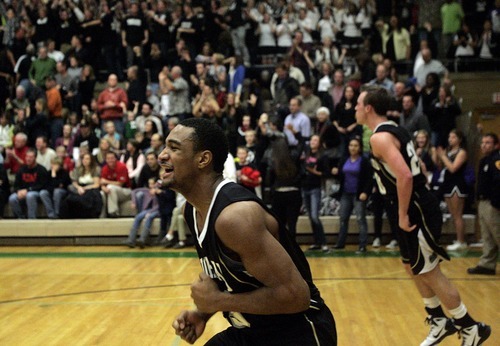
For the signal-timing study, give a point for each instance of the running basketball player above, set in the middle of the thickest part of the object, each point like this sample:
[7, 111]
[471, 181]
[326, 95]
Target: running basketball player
[252, 270]
[412, 207]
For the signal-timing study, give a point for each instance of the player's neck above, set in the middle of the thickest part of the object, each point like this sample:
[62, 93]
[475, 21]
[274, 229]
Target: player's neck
[202, 193]
[375, 120]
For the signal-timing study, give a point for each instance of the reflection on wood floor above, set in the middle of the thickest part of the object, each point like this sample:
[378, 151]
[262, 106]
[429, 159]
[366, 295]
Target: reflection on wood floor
[111, 296]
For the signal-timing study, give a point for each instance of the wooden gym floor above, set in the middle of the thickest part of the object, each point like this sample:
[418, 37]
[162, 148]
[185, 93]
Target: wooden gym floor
[116, 296]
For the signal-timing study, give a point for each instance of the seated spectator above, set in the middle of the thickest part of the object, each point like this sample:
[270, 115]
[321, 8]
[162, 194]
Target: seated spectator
[150, 213]
[115, 183]
[156, 143]
[4, 189]
[66, 140]
[31, 178]
[56, 188]
[114, 138]
[100, 153]
[67, 162]
[44, 154]
[177, 224]
[134, 160]
[86, 136]
[15, 157]
[6, 133]
[84, 199]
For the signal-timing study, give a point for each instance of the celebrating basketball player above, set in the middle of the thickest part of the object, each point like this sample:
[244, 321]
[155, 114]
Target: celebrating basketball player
[252, 270]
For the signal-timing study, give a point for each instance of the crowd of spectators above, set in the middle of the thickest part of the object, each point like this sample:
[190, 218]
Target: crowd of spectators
[265, 71]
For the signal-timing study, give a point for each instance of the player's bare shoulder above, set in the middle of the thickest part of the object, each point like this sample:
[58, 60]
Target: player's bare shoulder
[381, 142]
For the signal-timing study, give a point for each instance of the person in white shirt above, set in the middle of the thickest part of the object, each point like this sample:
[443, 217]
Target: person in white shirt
[44, 153]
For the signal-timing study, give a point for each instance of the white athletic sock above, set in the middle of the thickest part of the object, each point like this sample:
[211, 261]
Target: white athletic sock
[458, 312]
[432, 302]
[170, 237]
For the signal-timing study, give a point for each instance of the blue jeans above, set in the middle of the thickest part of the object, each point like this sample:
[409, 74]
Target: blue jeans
[348, 202]
[53, 203]
[147, 225]
[31, 202]
[312, 202]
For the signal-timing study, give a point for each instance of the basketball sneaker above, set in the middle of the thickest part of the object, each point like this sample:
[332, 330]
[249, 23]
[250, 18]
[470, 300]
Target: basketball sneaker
[441, 327]
[475, 335]
[376, 242]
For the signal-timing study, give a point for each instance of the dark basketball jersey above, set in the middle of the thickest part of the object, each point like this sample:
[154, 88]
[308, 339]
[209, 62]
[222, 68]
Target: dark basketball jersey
[230, 275]
[386, 180]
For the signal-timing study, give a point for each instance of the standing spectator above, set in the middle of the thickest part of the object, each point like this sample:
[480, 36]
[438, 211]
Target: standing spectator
[44, 26]
[429, 17]
[115, 183]
[189, 29]
[429, 65]
[266, 30]
[344, 119]
[68, 86]
[284, 33]
[337, 90]
[395, 40]
[6, 133]
[297, 124]
[382, 79]
[136, 80]
[234, 18]
[283, 88]
[351, 26]
[56, 189]
[411, 118]
[112, 103]
[453, 185]
[30, 180]
[177, 89]
[488, 209]
[299, 53]
[355, 186]
[54, 108]
[310, 102]
[134, 32]
[37, 124]
[442, 114]
[311, 191]
[41, 68]
[44, 154]
[86, 85]
[452, 15]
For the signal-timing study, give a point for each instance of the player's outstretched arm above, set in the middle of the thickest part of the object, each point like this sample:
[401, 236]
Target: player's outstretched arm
[247, 231]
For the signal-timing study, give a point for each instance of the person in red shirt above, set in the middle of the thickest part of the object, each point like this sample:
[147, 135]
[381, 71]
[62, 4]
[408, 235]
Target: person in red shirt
[115, 184]
[112, 103]
[16, 156]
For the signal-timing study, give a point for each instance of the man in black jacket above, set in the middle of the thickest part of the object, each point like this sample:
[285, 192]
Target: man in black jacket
[30, 180]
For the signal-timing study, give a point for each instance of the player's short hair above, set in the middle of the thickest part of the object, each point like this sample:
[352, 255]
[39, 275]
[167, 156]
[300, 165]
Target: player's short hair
[209, 136]
[378, 98]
